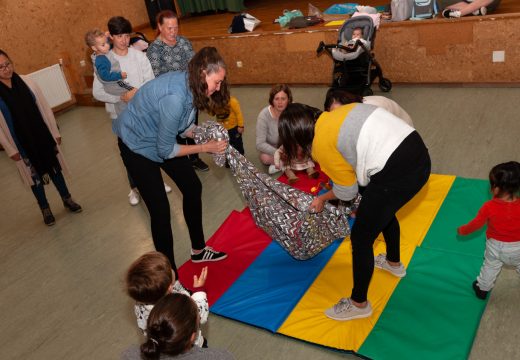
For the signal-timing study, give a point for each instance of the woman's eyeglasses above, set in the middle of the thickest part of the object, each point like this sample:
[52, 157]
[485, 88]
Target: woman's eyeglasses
[4, 66]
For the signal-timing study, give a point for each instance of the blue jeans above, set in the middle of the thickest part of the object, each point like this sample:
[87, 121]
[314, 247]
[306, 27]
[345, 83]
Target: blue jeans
[59, 183]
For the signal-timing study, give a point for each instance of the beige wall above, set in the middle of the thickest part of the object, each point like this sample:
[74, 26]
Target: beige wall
[36, 33]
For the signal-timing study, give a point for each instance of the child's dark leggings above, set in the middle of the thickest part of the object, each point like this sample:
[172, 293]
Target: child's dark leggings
[404, 174]
[235, 139]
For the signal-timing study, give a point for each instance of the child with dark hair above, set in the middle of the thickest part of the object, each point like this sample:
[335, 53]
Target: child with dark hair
[502, 216]
[151, 277]
[291, 155]
[172, 328]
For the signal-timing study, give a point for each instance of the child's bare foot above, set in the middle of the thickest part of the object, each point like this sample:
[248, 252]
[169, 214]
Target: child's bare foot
[313, 174]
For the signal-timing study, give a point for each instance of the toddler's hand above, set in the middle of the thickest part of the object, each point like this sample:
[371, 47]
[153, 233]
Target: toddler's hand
[123, 75]
[127, 96]
[199, 281]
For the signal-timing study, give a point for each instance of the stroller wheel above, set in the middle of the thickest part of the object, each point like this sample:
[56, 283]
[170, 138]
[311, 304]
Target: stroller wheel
[367, 92]
[385, 85]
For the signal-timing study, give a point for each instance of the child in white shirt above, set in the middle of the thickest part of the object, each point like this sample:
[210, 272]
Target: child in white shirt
[151, 277]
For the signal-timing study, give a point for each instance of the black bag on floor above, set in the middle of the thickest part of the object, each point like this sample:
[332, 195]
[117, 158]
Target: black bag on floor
[237, 24]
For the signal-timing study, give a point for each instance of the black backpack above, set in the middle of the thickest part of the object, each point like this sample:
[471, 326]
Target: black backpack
[237, 24]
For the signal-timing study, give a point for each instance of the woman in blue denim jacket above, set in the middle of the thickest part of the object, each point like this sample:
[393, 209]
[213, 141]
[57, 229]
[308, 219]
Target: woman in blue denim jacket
[162, 109]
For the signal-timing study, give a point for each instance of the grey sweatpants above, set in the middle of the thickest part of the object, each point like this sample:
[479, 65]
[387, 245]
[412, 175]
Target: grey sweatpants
[498, 254]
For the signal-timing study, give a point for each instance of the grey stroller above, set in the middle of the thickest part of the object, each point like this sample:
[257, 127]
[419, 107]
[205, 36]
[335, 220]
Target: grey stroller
[355, 67]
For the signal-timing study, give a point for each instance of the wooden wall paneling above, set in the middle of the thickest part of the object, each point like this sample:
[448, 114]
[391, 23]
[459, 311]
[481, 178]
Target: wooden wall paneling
[430, 51]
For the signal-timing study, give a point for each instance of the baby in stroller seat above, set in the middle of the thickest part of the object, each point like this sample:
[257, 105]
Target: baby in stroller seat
[355, 67]
[357, 34]
[349, 48]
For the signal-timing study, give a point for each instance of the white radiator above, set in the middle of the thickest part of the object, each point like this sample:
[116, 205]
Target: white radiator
[53, 84]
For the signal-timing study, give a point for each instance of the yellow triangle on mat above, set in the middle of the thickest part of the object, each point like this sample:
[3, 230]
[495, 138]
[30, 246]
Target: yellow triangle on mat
[308, 322]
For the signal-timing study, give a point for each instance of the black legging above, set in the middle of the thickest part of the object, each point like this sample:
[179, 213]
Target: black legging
[404, 174]
[148, 179]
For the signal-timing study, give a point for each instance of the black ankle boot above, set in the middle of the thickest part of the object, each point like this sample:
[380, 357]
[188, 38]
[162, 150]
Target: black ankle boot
[72, 205]
[48, 218]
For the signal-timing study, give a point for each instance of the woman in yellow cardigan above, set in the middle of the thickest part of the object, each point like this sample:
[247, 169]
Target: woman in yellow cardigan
[30, 137]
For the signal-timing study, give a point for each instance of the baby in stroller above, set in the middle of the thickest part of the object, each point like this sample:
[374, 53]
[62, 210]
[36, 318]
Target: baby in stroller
[355, 67]
[355, 39]
[357, 34]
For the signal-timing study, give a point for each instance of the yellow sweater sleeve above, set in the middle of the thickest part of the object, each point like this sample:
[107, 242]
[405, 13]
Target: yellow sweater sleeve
[324, 147]
[236, 112]
[234, 118]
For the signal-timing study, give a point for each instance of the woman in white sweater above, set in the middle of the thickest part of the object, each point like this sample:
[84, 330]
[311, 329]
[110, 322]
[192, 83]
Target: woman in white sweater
[366, 149]
[139, 71]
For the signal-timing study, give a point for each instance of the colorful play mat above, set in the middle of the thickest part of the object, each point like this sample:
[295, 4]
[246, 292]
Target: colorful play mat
[432, 313]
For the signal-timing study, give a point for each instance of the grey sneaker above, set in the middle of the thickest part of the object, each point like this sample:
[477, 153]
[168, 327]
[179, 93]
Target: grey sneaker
[381, 263]
[345, 310]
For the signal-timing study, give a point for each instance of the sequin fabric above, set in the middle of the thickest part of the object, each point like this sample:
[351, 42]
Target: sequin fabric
[279, 209]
